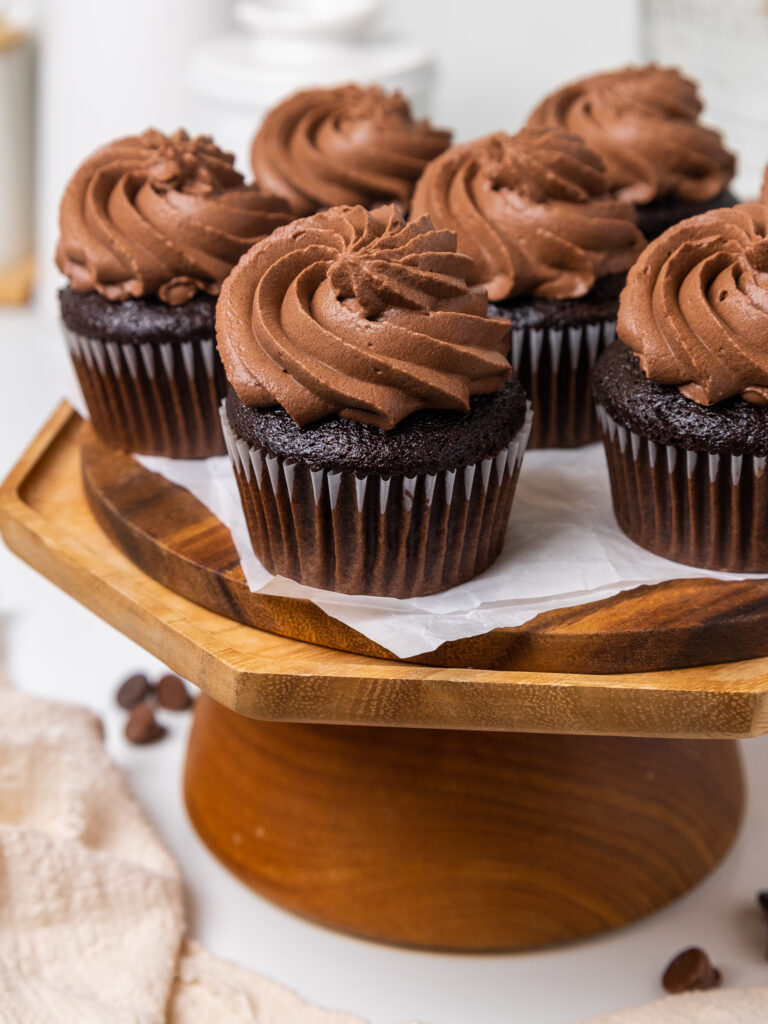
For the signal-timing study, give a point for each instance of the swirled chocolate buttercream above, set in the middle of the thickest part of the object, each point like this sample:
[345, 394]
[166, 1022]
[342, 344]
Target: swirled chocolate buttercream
[348, 145]
[157, 215]
[695, 306]
[533, 211]
[358, 314]
[644, 123]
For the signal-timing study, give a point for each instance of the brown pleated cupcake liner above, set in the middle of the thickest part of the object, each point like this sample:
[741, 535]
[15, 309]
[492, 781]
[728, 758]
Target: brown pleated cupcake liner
[153, 399]
[556, 366]
[401, 536]
[710, 511]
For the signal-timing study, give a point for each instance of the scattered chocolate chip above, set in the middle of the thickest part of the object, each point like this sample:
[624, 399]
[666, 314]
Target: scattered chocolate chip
[173, 694]
[142, 726]
[762, 902]
[690, 970]
[133, 691]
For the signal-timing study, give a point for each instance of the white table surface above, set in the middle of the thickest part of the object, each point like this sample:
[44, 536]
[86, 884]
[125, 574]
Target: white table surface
[57, 649]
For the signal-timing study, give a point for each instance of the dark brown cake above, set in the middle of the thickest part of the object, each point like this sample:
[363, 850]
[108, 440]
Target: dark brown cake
[150, 373]
[654, 218]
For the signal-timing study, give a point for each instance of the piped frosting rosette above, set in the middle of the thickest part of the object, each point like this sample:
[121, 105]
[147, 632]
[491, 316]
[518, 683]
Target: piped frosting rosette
[346, 145]
[360, 315]
[695, 307]
[157, 215]
[372, 421]
[533, 211]
[644, 123]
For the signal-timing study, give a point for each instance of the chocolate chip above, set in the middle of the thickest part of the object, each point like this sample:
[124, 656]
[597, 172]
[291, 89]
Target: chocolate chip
[133, 691]
[762, 902]
[172, 694]
[142, 727]
[690, 970]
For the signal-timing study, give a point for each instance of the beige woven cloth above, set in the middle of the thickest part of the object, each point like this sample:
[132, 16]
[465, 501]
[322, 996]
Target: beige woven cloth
[91, 914]
[91, 918]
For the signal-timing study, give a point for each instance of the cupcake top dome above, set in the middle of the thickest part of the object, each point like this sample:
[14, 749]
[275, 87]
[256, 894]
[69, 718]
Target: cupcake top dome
[346, 145]
[695, 306]
[533, 211]
[159, 215]
[643, 121]
[358, 314]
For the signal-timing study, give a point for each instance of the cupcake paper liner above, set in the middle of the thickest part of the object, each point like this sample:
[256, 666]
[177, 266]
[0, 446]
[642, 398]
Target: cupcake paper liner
[709, 511]
[154, 399]
[396, 537]
[556, 366]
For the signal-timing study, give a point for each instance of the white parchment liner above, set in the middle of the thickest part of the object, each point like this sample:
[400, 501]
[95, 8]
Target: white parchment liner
[563, 548]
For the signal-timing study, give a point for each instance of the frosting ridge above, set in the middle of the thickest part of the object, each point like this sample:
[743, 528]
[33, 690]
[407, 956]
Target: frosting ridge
[643, 121]
[695, 306]
[159, 215]
[358, 314]
[346, 145]
[533, 211]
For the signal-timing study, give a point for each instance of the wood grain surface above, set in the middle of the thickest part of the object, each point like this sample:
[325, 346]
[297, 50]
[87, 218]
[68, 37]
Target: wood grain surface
[45, 518]
[457, 840]
[171, 536]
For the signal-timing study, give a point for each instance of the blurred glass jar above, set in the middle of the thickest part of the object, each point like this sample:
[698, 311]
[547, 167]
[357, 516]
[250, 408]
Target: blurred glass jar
[280, 46]
[723, 44]
[16, 160]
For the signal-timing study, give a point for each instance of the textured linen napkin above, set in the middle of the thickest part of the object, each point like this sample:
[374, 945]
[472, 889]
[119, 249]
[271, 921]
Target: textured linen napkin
[91, 918]
[91, 914]
[725, 1006]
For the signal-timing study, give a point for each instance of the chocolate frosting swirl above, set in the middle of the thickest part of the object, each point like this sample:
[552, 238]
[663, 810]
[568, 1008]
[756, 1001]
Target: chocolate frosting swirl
[358, 314]
[348, 145]
[643, 121]
[159, 215]
[695, 306]
[533, 212]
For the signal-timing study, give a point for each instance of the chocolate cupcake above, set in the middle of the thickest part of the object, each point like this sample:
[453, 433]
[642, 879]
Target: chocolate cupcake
[644, 123]
[347, 145]
[551, 247]
[150, 227]
[373, 419]
[683, 394]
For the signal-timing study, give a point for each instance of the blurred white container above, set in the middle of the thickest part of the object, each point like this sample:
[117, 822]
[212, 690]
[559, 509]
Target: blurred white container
[724, 46]
[284, 45]
[109, 69]
[16, 145]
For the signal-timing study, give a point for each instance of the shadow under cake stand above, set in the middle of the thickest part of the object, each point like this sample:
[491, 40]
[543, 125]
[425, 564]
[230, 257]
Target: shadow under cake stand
[531, 786]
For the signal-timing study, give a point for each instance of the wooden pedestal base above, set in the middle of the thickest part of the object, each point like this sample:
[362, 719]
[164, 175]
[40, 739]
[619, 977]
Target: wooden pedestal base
[460, 840]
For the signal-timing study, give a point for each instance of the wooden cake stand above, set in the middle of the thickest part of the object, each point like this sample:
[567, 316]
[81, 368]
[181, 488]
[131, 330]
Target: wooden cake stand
[532, 786]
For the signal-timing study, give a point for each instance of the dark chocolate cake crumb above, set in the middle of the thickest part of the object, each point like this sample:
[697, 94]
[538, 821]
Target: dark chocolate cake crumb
[654, 218]
[135, 321]
[599, 304]
[425, 442]
[660, 413]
